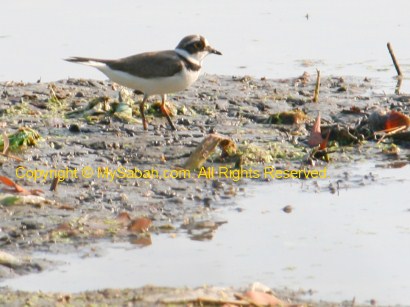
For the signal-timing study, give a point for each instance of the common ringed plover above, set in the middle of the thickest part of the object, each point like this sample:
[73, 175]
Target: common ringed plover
[156, 73]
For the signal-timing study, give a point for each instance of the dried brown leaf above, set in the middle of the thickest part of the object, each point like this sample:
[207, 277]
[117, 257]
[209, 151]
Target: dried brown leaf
[207, 147]
[141, 224]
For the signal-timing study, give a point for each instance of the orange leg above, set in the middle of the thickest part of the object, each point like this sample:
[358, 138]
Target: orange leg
[142, 104]
[166, 112]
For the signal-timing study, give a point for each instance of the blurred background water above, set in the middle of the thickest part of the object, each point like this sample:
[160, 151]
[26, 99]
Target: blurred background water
[265, 38]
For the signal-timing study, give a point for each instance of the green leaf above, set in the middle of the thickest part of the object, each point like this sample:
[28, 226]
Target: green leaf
[9, 200]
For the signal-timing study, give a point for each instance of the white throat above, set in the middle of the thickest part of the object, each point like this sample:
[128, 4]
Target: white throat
[189, 57]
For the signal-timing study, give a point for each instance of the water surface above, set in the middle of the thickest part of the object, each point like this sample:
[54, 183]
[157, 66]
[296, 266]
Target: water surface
[275, 39]
[353, 243]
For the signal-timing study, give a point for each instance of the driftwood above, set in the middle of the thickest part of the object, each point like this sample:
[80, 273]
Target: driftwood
[207, 147]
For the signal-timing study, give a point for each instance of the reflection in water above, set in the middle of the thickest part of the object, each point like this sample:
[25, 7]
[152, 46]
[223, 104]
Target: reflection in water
[203, 230]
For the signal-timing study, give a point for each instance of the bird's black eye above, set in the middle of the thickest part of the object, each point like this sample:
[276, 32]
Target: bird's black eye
[198, 45]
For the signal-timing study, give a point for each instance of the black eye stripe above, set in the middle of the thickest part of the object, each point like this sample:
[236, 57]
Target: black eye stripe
[194, 47]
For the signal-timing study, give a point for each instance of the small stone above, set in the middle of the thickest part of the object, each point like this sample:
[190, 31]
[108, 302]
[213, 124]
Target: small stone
[207, 202]
[184, 122]
[56, 145]
[74, 128]
[287, 209]
[32, 225]
[99, 145]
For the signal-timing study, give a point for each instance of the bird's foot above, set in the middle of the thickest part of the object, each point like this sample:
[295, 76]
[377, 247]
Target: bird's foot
[166, 113]
[145, 124]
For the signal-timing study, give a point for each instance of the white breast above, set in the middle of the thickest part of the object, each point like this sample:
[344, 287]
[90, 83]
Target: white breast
[152, 86]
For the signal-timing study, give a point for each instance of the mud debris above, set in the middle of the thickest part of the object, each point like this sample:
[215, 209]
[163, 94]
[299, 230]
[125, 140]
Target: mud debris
[113, 174]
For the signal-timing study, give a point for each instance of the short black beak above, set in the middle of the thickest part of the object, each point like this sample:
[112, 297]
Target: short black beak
[214, 51]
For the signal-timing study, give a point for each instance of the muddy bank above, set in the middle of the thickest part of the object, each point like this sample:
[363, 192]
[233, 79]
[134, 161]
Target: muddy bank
[85, 134]
[159, 296]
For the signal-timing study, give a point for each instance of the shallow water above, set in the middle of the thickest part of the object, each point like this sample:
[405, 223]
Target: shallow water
[275, 39]
[353, 243]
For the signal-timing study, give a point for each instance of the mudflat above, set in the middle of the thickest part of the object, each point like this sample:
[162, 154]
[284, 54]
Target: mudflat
[83, 170]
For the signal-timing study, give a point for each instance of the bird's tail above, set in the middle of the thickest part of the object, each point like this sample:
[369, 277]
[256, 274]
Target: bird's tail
[88, 61]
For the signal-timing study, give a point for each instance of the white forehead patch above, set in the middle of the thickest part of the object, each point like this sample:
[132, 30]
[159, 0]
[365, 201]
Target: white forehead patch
[206, 42]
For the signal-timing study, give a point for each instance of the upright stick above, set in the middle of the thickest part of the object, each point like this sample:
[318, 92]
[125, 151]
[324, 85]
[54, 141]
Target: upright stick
[316, 95]
[393, 57]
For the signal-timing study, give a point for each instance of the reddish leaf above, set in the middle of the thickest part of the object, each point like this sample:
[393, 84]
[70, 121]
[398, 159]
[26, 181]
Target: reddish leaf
[264, 299]
[315, 137]
[18, 188]
[140, 224]
[11, 183]
[323, 145]
[396, 119]
[7, 181]
[123, 218]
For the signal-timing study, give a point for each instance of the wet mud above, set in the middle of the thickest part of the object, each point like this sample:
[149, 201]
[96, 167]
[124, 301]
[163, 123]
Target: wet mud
[102, 156]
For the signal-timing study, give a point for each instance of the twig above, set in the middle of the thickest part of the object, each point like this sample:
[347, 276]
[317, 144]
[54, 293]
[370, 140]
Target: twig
[6, 143]
[398, 85]
[54, 184]
[11, 157]
[393, 57]
[389, 132]
[316, 95]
